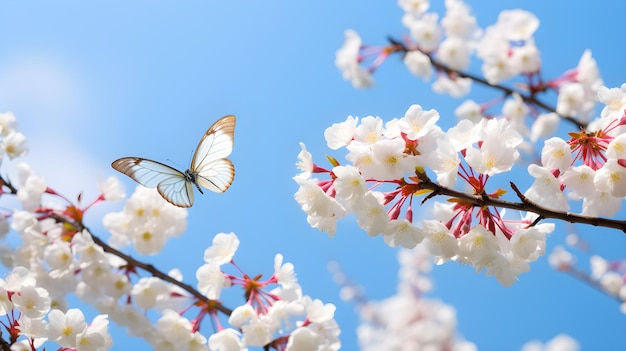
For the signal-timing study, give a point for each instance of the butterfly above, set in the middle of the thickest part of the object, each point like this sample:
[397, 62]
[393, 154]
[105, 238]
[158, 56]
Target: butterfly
[209, 167]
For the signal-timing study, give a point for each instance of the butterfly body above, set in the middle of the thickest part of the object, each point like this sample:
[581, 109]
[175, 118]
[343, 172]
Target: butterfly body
[191, 177]
[209, 167]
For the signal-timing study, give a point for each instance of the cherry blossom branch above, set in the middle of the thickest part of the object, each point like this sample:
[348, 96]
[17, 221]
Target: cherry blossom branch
[145, 266]
[130, 260]
[398, 46]
[525, 205]
[531, 98]
[569, 217]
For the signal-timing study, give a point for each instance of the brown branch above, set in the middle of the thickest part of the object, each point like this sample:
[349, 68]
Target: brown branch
[568, 217]
[131, 261]
[529, 98]
[525, 205]
[4, 345]
[145, 266]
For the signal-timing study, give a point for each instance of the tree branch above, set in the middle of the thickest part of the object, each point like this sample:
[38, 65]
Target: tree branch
[525, 205]
[530, 98]
[146, 267]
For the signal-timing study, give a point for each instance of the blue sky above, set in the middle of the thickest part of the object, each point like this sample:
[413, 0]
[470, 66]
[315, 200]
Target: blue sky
[94, 81]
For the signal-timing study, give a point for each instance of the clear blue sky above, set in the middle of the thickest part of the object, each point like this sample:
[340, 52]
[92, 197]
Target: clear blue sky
[94, 81]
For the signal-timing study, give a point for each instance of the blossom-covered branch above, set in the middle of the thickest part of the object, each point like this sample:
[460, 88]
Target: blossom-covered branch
[132, 263]
[470, 228]
[525, 205]
[528, 94]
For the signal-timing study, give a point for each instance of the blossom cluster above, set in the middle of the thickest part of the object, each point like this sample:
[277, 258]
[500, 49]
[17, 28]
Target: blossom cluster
[451, 42]
[590, 166]
[281, 317]
[147, 221]
[409, 319]
[397, 156]
[13, 143]
[44, 266]
[46, 269]
[32, 318]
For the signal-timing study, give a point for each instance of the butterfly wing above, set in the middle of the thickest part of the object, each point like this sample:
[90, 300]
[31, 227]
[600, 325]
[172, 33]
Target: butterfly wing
[218, 176]
[170, 182]
[210, 165]
[176, 191]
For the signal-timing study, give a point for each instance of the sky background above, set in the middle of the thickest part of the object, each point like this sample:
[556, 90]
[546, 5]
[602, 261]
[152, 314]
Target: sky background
[94, 81]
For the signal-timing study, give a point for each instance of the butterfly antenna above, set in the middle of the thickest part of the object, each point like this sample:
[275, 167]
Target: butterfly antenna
[173, 162]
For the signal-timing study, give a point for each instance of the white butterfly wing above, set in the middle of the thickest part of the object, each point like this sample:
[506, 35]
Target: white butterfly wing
[217, 176]
[170, 182]
[176, 191]
[210, 165]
